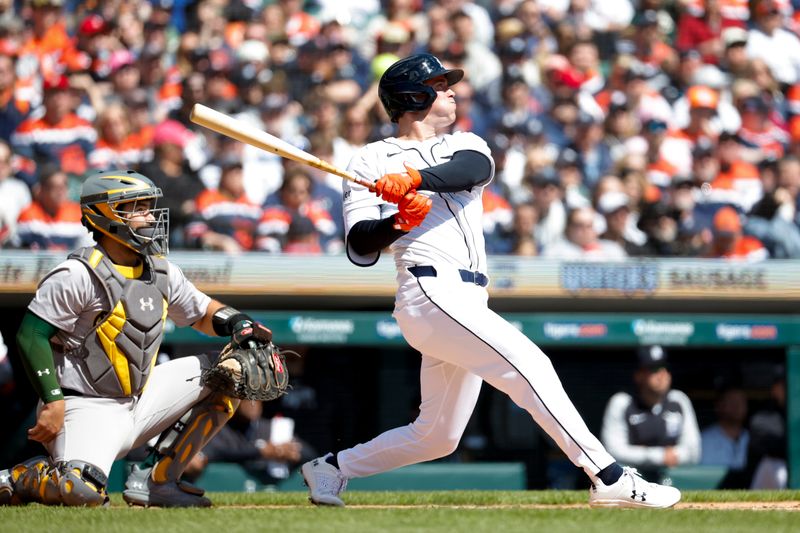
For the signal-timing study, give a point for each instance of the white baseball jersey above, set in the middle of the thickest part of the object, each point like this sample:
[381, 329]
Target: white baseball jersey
[443, 313]
[452, 232]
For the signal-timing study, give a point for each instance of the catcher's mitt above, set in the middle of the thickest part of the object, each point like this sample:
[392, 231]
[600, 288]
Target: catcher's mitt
[255, 373]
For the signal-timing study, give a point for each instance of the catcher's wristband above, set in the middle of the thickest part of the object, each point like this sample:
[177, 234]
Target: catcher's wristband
[225, 319]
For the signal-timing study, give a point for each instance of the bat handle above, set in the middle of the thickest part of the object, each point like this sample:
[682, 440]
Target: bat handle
[327, 167]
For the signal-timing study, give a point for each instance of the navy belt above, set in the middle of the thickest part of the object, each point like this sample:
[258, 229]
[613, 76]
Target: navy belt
[466, 275]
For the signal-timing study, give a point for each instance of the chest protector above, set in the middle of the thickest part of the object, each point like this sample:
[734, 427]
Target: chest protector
[119, 352]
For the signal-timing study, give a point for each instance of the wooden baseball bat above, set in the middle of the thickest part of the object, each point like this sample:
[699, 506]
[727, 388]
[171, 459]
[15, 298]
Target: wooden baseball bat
[236, 129]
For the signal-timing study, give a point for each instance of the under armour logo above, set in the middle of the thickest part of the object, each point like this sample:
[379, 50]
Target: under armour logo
[41, 373]
[146, 304]
[641, 496]
[4, 478]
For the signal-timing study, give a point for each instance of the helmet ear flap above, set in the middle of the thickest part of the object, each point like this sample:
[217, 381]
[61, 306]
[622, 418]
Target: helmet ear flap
[407, 97]
[402, 82]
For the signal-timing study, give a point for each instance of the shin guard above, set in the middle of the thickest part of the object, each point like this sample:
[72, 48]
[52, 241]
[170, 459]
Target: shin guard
[82, 484]
[28, 479]
[187, 436]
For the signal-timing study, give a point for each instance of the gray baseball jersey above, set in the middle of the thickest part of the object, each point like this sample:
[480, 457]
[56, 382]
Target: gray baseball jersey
[452, 233]
[70, 298]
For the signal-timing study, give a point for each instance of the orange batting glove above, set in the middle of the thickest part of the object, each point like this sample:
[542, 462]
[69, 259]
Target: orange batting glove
[413, 209]
[392, 187]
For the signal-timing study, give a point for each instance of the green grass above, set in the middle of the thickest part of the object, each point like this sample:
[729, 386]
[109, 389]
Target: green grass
[448, 512]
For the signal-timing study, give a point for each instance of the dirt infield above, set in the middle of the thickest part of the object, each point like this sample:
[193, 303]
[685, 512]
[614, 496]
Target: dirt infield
[703, 506]
[742, 506]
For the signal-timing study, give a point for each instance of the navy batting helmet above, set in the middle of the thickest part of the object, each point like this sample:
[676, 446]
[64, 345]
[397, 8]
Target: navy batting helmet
[402, 87]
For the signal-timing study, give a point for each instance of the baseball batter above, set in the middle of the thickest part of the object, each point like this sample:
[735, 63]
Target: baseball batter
[435, 235]
[89, 343]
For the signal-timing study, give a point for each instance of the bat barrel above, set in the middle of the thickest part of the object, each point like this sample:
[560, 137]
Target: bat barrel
[236, 129]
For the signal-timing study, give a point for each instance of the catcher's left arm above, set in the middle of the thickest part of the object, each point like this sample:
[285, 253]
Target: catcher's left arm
[257, 372]
[250, 366]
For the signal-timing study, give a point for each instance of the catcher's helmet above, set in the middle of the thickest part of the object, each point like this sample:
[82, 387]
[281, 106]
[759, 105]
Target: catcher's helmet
[104, 192]
[402, 87]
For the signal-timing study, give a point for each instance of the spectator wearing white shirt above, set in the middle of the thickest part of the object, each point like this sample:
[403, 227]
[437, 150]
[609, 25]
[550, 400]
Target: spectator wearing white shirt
[14, 195]
[484, 29]
[548, 200]
[777, 47]
[581, 241]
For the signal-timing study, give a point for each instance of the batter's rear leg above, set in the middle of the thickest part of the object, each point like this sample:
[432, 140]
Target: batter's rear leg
[449, 394]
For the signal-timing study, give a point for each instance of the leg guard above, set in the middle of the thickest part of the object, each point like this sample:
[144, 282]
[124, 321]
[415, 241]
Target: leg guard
[82, 484]
[188, 435]
[7, 494]
[29, 479]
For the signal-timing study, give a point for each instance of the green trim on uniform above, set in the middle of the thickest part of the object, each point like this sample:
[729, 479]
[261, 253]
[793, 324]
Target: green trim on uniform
[33, 342]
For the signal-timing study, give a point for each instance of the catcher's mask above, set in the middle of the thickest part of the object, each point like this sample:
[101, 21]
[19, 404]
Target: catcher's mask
[110, 199]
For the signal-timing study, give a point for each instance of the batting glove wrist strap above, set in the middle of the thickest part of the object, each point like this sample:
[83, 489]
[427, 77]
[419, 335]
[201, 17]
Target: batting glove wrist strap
[226, 318]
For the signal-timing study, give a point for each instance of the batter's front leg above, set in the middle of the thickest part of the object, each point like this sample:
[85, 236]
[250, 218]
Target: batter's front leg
[449, 394]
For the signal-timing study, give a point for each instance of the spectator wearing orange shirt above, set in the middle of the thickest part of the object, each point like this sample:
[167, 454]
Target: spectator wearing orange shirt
[49, 44]
[649, 39]
[729, 242]
[117, 146]
[678, 145]
[59, 137]
[225, 219]
[12, 110]
[52, 221]
[295, 200]
[738, 182]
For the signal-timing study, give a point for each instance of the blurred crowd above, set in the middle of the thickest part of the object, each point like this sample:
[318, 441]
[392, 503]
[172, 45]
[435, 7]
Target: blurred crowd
[619, 127]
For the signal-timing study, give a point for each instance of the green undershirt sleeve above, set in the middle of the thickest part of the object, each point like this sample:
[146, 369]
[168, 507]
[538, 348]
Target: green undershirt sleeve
[33, 342]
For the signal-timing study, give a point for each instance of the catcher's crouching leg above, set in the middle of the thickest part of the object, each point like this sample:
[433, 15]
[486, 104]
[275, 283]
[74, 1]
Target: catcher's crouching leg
[74, 483]
[81, 484]
[159, 486]
[22, 483]
[35, 481]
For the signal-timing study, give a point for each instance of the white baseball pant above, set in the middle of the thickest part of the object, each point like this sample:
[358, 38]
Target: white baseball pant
[100, 430]
[463, 342]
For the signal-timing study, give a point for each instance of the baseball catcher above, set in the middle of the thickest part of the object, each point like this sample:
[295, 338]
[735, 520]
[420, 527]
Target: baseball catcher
[89, 342]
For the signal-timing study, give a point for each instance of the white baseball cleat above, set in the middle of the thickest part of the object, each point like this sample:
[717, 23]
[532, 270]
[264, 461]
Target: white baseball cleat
[631, 490]
[325, 482]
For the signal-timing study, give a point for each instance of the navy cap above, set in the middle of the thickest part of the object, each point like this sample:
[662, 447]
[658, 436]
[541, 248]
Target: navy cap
[652, 357]
[544, 177]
